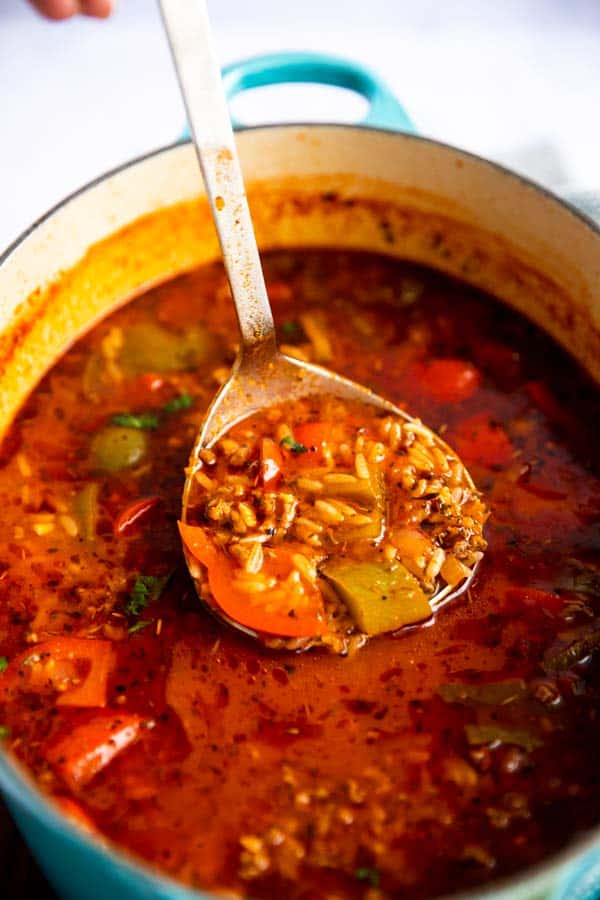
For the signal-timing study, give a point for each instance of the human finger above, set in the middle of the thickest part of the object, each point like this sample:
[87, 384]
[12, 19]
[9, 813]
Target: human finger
[99, 8]
[57, 9]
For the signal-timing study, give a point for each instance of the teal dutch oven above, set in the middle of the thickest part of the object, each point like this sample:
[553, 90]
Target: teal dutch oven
[380, 155]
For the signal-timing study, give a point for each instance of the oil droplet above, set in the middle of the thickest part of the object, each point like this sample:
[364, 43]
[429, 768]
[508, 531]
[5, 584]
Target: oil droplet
[219, 203]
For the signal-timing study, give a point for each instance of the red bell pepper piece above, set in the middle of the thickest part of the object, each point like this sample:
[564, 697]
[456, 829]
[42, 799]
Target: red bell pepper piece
[73, 811]
[447, 380]
[88, 748]
[133, 513]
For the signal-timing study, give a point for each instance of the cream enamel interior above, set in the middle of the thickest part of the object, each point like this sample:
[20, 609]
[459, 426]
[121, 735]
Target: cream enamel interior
[313, 185]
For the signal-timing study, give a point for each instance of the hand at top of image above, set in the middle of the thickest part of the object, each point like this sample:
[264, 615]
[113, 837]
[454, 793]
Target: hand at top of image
[64, 9]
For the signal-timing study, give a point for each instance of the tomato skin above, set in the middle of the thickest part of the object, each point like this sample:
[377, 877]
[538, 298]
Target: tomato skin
[131, 515]
[446, 380]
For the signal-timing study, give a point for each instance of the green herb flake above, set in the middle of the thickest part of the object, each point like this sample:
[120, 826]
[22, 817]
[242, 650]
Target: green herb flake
[143, 422]
[289, 442]
[3, 664]
[139, 626]
[290, 328]
[371, 876]
[178, 404]
[4, 732]
[146, 589]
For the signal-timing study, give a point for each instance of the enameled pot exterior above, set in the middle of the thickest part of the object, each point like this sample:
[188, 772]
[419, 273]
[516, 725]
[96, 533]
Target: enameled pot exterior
[309, 186]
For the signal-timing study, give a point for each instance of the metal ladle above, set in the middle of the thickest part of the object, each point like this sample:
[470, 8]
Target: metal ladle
[261, 376]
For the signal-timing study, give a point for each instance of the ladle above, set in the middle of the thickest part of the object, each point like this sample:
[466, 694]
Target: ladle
[261, 376]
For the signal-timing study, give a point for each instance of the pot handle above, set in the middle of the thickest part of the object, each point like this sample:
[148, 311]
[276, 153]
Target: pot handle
[385, 111]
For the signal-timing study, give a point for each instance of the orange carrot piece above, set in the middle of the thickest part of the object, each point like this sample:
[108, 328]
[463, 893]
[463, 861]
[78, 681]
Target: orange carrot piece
[263, 611]
[88, 748]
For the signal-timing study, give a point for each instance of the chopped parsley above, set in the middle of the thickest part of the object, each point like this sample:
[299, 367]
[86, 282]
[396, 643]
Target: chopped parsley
[371, 876]
[177, 404]
[146, 589]
[4, 731]
[3, 664]
[290, 328]
[289, 442]
[143, 421]
[139, 626]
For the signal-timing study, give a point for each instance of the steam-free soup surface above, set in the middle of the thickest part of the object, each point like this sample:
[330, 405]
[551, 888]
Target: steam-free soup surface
[425, 762]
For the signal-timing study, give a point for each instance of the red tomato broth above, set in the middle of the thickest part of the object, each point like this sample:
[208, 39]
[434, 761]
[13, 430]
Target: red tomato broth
[338, 775]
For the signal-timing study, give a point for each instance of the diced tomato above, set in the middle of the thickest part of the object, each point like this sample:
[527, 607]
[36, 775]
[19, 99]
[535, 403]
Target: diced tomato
[313, 436]
[151, 381]
[481, 440]
[446, 380]
[279, 291]
[266, 611]
[57, 665]
[271, 463]
[88, 748]
[133, 513]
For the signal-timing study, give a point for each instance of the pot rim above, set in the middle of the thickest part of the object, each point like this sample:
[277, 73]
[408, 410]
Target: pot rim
[586, 220]
[15, 779]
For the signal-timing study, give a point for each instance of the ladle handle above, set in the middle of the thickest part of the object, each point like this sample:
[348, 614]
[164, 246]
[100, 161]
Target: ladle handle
[190, 36]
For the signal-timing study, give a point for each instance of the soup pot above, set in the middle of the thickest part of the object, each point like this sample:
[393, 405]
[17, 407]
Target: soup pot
[368, 187]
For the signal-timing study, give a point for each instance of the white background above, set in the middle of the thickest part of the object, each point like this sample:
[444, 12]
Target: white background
[516, 80]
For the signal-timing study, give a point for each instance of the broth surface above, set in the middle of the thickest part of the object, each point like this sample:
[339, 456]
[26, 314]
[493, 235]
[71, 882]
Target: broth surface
[426, 762]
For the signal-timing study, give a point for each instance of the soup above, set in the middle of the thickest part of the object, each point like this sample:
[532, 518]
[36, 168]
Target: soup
[431, 759]
[325, 522]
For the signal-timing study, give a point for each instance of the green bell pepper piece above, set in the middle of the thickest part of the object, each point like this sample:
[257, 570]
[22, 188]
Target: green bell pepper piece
[149, 348]
[379, 597]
